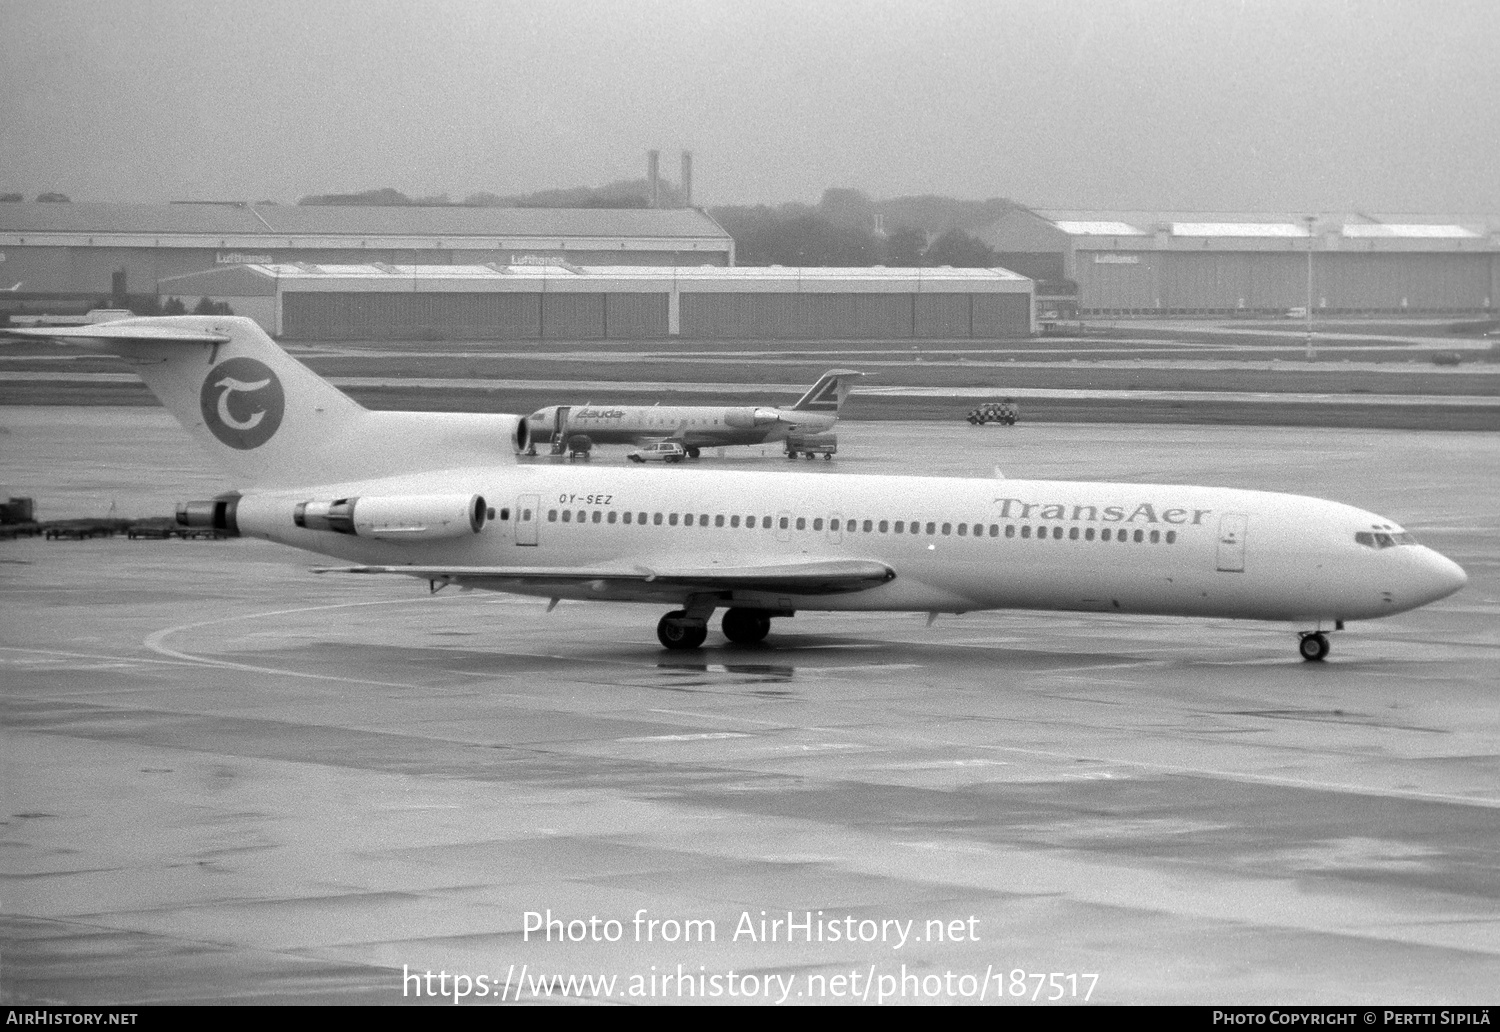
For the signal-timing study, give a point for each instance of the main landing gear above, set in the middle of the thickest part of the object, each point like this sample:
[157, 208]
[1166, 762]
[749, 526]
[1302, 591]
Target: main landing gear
[681, 630]
[1314, 646]
[746, 626]
[677, 630]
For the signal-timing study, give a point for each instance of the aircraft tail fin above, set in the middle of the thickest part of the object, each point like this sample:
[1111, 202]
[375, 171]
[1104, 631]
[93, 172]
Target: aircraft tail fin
[270, 421]
[828, 394]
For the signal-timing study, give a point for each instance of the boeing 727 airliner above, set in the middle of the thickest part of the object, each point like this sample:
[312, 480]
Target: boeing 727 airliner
[441, 497]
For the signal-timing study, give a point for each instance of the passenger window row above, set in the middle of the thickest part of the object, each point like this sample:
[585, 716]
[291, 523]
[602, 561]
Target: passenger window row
[854, 526]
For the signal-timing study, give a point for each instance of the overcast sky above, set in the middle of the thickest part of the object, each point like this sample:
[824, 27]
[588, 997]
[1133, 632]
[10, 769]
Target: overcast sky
[1377, 105]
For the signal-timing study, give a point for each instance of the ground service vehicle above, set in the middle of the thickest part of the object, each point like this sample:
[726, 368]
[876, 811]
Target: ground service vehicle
[658, 451]
[826, 445]
[1003, 412]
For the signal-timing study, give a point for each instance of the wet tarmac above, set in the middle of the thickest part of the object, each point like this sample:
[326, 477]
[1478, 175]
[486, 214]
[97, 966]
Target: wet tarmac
[228, 780]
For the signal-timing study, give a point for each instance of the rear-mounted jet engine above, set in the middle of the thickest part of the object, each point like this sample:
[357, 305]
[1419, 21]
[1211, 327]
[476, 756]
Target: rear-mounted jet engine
[405, 518]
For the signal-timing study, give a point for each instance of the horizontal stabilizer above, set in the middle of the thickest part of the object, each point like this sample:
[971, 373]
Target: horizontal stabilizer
[121, 333]
[823, 577]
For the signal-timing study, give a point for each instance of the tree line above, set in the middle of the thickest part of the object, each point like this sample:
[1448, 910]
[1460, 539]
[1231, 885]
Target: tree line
[846, 228]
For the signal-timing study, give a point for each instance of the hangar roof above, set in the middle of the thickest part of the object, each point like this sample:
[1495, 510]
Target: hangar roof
[349, 220]
[255, 279]
[1089, 222]
[1089, 230]
[1102, 228]
[1237, 229]
[1408, 231]
[382, 270]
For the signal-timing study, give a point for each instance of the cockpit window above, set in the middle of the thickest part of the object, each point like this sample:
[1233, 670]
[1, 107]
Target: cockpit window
[1387, 538]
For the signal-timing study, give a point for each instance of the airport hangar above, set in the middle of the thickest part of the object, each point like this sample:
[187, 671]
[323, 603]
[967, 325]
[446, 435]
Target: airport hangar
[1168, 263]
[444, 273]
[93, 250]
[545, 300]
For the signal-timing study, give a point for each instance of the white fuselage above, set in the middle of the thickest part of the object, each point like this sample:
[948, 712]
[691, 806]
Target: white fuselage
[980, 544]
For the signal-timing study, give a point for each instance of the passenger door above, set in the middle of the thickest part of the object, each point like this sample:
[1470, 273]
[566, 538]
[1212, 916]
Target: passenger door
[1232, 530]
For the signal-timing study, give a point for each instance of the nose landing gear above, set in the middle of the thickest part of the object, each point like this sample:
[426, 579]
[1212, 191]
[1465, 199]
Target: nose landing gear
[1314, 646]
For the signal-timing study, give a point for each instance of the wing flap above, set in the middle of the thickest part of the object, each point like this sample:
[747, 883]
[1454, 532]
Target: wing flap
[819, 577]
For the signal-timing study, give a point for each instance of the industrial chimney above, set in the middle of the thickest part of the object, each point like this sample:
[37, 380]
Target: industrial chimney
[653, 178]
[687, 179]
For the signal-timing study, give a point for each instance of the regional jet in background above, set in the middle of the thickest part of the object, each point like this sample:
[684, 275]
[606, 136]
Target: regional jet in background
[441, 497]
[692, 426]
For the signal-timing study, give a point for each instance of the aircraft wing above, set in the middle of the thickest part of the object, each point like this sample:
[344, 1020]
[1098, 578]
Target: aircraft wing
[819, 577]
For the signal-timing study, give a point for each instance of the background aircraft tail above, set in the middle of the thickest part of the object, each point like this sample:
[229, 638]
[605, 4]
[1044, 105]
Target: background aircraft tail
[270, 421]
[828, 394]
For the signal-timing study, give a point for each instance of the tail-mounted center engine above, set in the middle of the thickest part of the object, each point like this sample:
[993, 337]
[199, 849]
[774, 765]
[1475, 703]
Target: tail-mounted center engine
[218, 514]
[402, 518]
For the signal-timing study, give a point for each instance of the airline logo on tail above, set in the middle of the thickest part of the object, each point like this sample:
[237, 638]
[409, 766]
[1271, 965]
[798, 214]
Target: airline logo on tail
[242, 403]
[828, 393]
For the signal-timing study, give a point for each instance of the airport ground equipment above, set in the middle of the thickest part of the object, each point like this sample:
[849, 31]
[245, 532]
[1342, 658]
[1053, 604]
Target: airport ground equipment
[808, 445]
[18, 510]
[83, 529]
[1003, 412]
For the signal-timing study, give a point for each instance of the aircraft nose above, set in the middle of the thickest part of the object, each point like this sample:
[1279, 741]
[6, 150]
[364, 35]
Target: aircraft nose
[1444, 576]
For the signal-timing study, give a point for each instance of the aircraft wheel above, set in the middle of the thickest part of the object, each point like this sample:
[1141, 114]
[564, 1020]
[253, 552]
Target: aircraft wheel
[746, 626]
[1314, 647]
[692, 453]
[676, 631]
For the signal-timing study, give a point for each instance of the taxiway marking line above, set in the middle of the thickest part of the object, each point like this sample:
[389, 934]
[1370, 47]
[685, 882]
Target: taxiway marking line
[154, 642]
[1265, 779]
[86, 655]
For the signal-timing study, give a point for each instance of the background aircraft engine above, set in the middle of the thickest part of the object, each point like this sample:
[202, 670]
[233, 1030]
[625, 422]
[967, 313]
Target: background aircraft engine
[521, 435]
[745, 418]
[402, 518]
